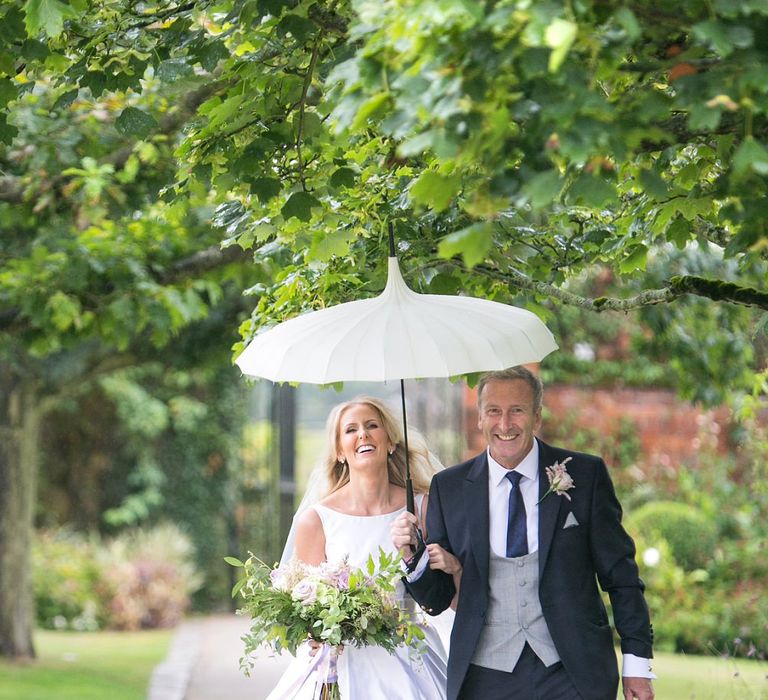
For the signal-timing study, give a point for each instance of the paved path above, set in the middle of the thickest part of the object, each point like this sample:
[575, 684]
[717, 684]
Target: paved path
[203, 664]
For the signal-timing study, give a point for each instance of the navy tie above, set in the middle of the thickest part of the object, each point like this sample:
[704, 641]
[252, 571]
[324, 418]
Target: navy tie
[517, 530]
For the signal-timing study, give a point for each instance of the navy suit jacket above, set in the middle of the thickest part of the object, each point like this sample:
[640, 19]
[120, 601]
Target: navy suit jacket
[572, 561]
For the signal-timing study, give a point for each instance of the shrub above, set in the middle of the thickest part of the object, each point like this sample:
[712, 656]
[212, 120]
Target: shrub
[150, 576]
[140, 579]
[690, 534]
[66, 581]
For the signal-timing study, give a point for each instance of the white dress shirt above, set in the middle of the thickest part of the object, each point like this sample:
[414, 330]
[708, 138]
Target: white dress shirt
[498, 500]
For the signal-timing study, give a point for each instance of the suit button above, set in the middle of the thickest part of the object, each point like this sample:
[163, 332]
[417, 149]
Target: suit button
[523, 603]
[522, 583]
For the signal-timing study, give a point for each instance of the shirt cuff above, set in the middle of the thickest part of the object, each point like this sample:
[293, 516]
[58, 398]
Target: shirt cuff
[636, 667]
[415, 575]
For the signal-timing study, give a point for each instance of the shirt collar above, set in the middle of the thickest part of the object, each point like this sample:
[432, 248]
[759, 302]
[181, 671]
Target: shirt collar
[529, 467]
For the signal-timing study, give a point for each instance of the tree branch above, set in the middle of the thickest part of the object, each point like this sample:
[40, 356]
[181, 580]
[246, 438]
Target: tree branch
[714, 290]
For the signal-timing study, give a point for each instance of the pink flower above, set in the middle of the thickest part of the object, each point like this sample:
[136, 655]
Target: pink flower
[560, 480]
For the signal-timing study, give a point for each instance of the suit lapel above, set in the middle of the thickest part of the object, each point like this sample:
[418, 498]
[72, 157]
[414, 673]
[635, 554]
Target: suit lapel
[549, 507]
[478, 518]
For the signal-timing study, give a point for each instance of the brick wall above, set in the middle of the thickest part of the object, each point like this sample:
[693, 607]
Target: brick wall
[669, 430]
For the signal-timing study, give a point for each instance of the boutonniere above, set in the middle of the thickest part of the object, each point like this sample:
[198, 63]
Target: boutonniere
[560, 480]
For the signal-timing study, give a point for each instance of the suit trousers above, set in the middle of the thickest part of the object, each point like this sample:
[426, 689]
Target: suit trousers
[530, 680]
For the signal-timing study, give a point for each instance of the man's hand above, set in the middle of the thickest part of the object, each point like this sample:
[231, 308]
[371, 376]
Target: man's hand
[403, 531]
[637, 688]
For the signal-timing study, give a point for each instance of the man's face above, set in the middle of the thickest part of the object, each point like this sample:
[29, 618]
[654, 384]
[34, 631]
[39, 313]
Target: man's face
[508, 420]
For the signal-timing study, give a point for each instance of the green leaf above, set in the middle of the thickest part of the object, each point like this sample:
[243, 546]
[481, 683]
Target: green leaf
[96, 81]
[679, 232]
[343, 177]
[295, 25]
[65, 311]
[653, 185]
[7, 132]
[328, 245]
[543, 188]
[591, 191]
[434, 190]
[65, 99]
[210, 53]
[300, 205]
[636, 260]
[234, 561]
[238, 586]
[46, 16]
[472, 243]
[265, 188]
[135, 122]
[8, 91]
[559, 36]
[750, 155]
[34, 50]
[370, 108]
[714, 33]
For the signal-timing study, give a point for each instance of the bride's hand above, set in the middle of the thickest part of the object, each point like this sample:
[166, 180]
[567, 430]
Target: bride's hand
[442, 559]
[315, 646]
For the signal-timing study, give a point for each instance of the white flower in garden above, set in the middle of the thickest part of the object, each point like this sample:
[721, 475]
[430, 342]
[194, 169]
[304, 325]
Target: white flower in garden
[651, 556]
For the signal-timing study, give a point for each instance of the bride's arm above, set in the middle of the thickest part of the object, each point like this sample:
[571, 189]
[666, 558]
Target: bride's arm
[310, 538]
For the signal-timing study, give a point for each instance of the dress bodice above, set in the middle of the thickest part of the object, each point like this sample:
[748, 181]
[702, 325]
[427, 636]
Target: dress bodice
[357, 536]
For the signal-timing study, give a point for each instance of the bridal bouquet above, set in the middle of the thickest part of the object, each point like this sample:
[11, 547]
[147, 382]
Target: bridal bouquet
[332, 604]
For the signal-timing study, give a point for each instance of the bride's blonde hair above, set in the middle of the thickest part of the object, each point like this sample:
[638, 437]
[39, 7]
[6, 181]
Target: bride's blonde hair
[423, 464]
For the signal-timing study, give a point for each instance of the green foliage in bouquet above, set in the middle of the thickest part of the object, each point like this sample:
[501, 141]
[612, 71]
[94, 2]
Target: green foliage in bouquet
[333, 604]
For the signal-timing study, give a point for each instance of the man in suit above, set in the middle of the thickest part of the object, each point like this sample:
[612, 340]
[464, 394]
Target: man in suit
[526, 555]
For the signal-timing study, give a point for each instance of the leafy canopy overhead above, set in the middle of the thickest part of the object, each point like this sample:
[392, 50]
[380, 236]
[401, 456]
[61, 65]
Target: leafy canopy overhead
[512, 144]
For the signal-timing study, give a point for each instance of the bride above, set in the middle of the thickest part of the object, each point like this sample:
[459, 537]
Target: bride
[353, 497]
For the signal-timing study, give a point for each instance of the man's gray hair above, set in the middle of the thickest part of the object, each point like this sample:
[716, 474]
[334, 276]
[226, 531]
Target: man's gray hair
[518, 372]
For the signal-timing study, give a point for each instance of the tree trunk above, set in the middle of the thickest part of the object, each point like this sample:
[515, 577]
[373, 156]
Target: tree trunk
[19, 432]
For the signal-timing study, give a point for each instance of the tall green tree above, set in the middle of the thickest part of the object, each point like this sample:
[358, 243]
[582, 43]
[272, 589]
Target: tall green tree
[97, 272]
[514, 146]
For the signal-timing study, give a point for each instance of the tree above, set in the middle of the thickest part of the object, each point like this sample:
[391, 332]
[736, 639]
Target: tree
[97, 272]
[514, 146]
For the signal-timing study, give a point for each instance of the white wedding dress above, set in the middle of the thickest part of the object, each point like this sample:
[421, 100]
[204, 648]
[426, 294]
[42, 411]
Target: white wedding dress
[369, 673]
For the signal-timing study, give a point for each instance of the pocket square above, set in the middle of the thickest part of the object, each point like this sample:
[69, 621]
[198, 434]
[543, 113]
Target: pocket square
[570, 521]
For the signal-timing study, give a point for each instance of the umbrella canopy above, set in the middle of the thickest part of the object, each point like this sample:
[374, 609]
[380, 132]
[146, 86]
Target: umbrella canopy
[399, 334]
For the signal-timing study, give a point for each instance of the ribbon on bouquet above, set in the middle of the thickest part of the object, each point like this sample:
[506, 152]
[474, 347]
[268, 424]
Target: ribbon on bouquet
[320, 671]
[325, 671]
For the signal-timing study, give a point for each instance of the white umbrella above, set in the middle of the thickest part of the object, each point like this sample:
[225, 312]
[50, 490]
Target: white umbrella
[399, 334]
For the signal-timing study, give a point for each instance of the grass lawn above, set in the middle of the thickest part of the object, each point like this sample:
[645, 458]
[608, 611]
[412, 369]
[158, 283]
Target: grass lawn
[683, 677]
[86, 666]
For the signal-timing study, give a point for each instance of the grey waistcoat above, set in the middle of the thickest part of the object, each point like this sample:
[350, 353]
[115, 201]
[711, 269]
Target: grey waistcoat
[514, 615]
